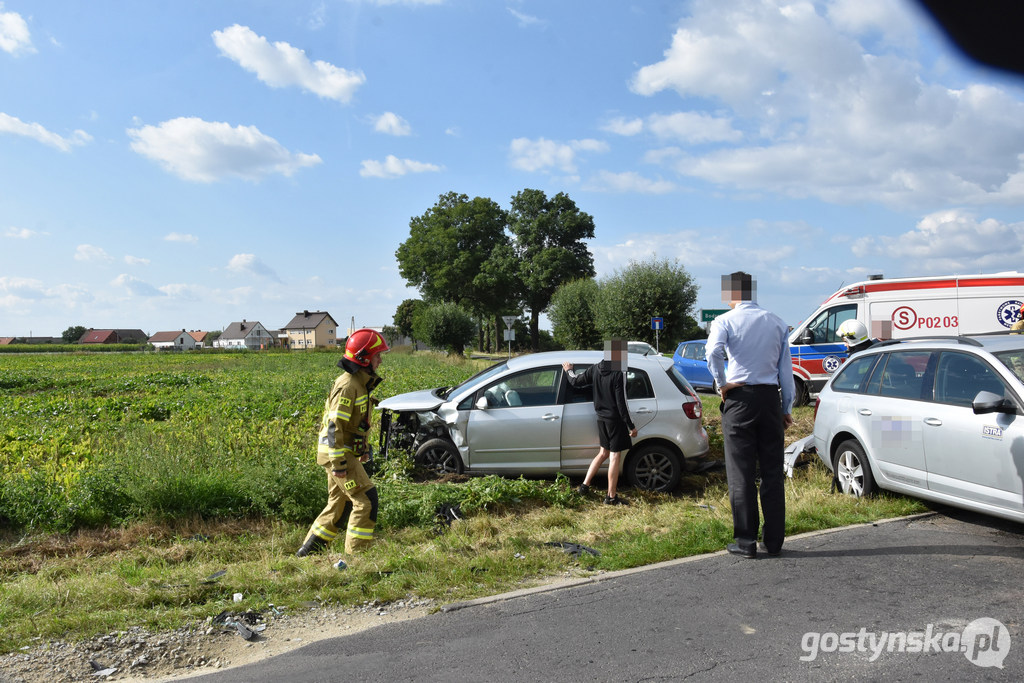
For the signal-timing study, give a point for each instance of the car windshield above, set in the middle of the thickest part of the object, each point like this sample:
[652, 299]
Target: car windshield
[481, 376]
[1014, 360]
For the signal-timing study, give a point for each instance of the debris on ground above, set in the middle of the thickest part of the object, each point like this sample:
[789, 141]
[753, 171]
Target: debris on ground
[574, 549]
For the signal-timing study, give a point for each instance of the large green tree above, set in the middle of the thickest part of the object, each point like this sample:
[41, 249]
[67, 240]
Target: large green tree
[631, 297]
[572, 313]
[548, 248]
[404, 315]
[447, 256]
[73, 334]
[444, 326]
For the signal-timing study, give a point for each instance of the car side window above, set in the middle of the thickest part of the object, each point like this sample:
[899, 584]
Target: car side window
[960, 376]
[823, 327]
[903, 375]
[695, 352]
[579, 394]
[534, 388]
[638, 385]
[853, 377]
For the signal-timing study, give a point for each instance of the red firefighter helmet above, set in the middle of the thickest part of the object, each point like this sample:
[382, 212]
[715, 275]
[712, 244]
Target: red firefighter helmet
[363, 345]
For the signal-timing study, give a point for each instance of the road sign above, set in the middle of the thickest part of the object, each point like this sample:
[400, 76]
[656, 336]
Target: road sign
[510, 335]
[657, 323]
[709, 314]
[509, 320]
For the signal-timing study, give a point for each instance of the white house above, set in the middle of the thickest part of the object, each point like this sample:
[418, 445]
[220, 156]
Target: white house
[173, 341]
[245, 335]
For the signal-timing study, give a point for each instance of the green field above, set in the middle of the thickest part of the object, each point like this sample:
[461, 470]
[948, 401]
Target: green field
[128, 479]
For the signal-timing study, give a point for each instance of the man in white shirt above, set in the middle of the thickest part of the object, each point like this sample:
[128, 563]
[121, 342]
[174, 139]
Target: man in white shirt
[757, 398]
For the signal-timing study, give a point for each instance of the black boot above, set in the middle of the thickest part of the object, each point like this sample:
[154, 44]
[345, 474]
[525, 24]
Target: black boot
[313, 544]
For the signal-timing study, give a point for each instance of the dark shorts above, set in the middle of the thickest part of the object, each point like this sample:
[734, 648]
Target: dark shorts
[614, 436]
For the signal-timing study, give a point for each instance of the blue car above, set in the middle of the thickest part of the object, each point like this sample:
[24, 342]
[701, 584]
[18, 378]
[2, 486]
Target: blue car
[692, 363]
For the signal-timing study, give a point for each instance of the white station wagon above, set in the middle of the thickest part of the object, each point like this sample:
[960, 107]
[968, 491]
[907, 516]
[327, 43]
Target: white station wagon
[940, 419]
[521, 417]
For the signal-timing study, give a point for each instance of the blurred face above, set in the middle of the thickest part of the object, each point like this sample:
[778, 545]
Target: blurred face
[376, 360]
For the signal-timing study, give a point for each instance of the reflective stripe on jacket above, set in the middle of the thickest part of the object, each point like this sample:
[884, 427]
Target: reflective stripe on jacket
[346, 416]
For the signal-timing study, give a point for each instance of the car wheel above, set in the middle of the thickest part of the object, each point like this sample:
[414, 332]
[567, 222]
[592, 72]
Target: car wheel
[654, 467]
[852, 472]
[440, 456]
[801, 396]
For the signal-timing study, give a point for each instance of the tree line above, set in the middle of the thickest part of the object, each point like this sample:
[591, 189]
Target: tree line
[474, 262]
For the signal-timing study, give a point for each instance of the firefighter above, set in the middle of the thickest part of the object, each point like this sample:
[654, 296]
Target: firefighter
[342, 448]
[855, 335]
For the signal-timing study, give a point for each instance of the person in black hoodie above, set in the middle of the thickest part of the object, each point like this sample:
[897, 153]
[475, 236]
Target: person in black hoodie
[614, 426]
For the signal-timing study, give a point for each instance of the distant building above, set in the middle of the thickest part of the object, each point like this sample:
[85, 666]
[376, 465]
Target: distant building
[4, 341]
[173, 341]
[200, 338]
[114, 337]
[311, 330]
[245, 335]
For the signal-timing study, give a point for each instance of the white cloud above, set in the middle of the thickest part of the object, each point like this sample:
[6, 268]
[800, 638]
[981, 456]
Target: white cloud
[526, 20]
[21, 233]
[541, 154]
[393, 167]
[135, 286]
[14, 34]
[280, 65]
[622, 126]
[181, 237]
[830, 100]
[136, 260]
[693, 127]
[629, 181]
[951, 241]
[392, 124]
[249, 264]
[89, 253]
[22, 295]
[15, 126]
[205, 151]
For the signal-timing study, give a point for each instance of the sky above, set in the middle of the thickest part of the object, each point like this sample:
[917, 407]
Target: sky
[186, 164]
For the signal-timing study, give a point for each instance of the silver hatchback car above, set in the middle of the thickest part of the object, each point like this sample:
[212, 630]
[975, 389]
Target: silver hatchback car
[940, 419]
[521, 416]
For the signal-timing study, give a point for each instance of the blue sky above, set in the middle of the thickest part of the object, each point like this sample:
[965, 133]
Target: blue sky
[186, 164]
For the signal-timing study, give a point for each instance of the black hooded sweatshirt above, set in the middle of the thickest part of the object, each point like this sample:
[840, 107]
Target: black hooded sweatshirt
[609, 391]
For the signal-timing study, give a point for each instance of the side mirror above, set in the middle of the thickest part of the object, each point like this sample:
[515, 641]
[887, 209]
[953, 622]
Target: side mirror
[482, 403]
[806, 337]
[987, 402]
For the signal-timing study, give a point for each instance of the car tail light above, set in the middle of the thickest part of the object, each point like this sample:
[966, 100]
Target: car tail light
[692, 410]
[817, 402]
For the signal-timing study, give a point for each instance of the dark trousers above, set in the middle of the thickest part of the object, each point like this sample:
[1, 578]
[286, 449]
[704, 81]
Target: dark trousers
[755, 438]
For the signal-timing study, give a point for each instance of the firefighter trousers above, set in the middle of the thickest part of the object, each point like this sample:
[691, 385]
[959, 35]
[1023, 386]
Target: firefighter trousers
[353, 509]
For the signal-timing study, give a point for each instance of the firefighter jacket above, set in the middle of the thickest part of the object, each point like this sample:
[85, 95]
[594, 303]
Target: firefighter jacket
[346, 419]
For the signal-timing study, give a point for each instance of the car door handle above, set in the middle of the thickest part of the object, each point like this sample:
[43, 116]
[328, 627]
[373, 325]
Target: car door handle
[864, 411]
[933, 421]
[550, 417]
[643, 411]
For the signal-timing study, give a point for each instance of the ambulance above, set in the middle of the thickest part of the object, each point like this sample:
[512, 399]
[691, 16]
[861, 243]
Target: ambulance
[899, 308]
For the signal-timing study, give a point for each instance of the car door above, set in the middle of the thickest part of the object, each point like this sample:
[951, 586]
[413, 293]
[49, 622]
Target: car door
[891, 418]
[579, 424]
[819, 350]
[520, 430]
[972, 456]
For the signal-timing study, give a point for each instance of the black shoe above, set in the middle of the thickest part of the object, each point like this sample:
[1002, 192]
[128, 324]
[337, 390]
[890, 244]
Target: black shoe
[615, 501]
[313, 544]
[770, 553]
[735, 549]
[584, 489]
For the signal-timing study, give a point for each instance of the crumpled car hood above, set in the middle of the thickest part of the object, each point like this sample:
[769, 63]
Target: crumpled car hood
[414, 400]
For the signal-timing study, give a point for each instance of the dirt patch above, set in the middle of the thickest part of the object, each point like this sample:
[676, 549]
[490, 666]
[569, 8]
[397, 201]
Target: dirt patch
[139, 655]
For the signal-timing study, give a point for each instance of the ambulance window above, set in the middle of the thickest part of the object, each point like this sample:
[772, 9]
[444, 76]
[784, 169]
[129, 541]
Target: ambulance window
[823, 327]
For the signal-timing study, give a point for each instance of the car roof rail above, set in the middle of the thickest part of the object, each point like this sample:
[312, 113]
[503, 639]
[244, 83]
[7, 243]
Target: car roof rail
[959, 339]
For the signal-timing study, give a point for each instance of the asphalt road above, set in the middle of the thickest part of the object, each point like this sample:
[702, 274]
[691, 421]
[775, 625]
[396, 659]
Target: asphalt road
[929, 598]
